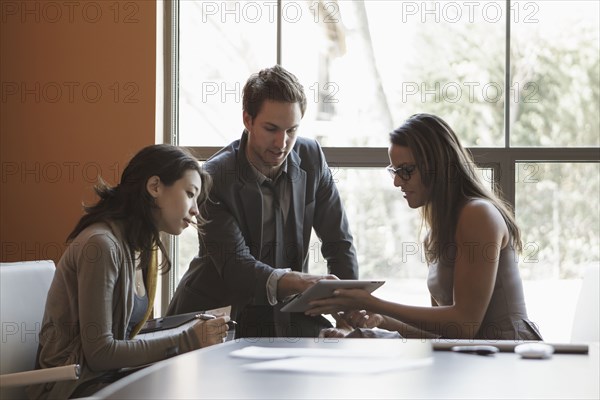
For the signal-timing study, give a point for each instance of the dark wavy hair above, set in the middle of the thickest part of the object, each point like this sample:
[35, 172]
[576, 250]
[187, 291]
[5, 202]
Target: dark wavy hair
[131, 203]
[448, 172]
[274, 83]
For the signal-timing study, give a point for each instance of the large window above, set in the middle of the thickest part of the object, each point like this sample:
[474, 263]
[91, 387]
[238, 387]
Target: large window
[519, 81]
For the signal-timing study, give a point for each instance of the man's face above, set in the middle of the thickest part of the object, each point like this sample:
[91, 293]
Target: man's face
[272, 134]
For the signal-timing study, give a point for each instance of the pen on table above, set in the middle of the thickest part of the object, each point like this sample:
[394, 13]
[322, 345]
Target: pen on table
[482, 350]
[207, 317]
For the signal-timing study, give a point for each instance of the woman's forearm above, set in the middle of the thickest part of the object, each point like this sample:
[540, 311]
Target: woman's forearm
[445, 321]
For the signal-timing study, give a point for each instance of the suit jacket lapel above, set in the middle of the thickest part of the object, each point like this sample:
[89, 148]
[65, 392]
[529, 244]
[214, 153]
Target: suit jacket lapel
[252, 203]
[250, 198]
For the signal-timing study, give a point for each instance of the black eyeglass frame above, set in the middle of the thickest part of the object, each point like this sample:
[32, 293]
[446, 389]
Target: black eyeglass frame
[404, 172]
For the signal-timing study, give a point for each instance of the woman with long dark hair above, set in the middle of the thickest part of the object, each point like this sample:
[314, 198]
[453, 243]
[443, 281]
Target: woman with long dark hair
[104, 286]
[471, 246]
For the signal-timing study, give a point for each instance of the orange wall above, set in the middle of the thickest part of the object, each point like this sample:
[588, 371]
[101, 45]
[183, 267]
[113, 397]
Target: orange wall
[77, 99]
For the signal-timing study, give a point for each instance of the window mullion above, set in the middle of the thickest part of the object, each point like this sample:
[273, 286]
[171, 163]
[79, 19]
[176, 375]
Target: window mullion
[279, 11]
[171, 130]
[507, 79]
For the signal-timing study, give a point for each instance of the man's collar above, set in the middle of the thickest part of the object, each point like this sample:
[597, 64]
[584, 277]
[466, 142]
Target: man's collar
[261, 178]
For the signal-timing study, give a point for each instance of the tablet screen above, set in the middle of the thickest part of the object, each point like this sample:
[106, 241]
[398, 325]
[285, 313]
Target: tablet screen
[325, 288]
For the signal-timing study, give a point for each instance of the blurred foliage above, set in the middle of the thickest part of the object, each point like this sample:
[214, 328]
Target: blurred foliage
[554, 101]
[560, 107]
[558, 209]
[461, 79]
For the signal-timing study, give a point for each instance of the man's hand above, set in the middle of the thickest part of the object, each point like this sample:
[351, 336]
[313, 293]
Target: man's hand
[297, 282]
[361, 319]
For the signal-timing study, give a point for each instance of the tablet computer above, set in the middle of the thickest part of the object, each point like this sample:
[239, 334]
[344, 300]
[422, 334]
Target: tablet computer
[323, 289]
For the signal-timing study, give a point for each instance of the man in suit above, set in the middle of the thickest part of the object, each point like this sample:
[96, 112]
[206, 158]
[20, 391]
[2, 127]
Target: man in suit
[270, 189]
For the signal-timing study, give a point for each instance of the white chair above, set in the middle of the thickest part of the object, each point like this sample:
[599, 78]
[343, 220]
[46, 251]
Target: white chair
[586, 320]
[23, 290]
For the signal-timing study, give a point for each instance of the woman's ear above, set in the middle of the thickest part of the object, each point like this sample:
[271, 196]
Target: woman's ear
[154, 186]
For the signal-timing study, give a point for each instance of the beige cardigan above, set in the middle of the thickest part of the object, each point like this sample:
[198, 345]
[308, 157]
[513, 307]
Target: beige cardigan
[87, 311]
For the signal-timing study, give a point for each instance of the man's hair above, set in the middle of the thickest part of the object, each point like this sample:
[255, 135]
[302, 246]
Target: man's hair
[275, 84]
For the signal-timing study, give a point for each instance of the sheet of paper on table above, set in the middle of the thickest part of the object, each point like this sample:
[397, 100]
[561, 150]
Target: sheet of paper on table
[364, 357]
[338, 365]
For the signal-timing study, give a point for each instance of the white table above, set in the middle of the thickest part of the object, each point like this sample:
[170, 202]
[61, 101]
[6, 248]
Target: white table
[212, 373]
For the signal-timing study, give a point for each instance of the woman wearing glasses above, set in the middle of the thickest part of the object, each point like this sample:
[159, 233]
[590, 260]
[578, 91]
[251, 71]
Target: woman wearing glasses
[471, 247]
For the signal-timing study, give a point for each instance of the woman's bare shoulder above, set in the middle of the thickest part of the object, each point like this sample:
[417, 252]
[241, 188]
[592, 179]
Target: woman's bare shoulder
[480, 208]
[481, 217]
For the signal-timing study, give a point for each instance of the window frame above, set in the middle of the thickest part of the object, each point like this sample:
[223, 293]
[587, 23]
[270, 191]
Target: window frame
[502, 160]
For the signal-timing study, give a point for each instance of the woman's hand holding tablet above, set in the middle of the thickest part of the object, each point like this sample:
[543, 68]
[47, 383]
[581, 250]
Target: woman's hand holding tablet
[324, 289]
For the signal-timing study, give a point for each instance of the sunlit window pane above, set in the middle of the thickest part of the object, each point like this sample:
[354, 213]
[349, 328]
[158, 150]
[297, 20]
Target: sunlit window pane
[369, 65]
[558, 210]
[221, 44]
[385, 229]
[555, 87]
[188, 249]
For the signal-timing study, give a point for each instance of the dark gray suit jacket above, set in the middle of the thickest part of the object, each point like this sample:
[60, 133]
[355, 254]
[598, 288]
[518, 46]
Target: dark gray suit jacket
[227, 269]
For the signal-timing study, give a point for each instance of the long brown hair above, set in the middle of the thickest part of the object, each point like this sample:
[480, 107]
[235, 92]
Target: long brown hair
[450, 176]
[130, 202]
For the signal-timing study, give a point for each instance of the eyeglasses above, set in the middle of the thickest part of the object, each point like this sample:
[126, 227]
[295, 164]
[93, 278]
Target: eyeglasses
[404, 172]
